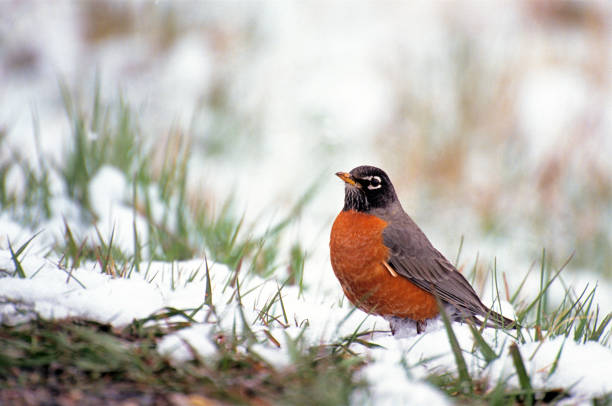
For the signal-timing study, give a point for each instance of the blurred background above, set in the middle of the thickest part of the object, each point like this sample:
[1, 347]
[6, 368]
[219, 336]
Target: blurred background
[494, 120]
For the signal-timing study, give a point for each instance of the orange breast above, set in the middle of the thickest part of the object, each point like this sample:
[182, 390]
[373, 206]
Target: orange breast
[357, 253]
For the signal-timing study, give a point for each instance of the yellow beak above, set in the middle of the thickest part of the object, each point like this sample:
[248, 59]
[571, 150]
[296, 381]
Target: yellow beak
[347, 178]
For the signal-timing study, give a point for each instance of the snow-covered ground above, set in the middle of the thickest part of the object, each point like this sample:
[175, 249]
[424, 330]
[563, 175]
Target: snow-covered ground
[396, 370]
[317, 88]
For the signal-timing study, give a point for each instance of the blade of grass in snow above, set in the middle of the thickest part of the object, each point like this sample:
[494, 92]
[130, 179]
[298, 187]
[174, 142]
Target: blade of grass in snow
[264, 314]
[208, 298]
[271, 338]
[583, 317]
[474, 268]
[569, 315]
[485, 349]
[542, 292]
[521, 372]
[520, 287]
[282, 303]
[72, 250]
[506, 287]
[15, 256]
[41, 189]
[459, 252]
[345, 343]
[555, 363]
[344, 319]
[104, 254]
[296, 267]
[465, 380]
[496, 286]
[137, 258]
[541, 298]
[18, 268]
[598, 331]
[246, 328]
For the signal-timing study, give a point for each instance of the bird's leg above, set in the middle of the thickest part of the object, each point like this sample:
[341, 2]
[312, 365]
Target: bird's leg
[393, 324]
[420, 326]
[399, 325]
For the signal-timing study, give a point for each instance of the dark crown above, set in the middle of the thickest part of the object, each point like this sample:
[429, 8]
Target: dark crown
[373, 190]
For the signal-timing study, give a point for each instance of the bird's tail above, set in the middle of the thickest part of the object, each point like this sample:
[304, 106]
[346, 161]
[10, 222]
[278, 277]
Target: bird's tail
[481, 316]
[490, 318]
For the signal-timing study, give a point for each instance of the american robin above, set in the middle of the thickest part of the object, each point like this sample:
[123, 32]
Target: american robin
[387, 266]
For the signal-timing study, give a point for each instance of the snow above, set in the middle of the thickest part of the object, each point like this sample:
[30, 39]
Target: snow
[396, 370]
[570, 371]
[108, 193]
[181, 345]
[55, 293]
[392, 385]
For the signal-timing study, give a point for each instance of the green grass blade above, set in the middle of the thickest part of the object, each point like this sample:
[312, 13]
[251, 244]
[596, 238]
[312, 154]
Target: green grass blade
[465, 381]
[208, 298]
[485, 349]
[555, 363]
[15, 256]
[544, 290]
[520, 287]
[24, 246]
[282, 303]
[18, 268]
[459, 251]
[521, 372]
[136, 240]
[599, 330]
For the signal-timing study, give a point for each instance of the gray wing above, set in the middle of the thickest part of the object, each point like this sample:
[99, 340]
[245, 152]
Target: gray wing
[413, 257]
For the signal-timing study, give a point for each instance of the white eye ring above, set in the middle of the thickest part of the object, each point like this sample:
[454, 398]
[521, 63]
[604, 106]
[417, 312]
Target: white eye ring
[377, 178]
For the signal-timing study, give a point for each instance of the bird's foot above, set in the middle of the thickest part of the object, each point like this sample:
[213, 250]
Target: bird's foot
[401, 327]
[420, 326]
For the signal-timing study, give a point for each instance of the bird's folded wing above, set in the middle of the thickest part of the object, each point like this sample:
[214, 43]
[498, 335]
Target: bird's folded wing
[413, 257]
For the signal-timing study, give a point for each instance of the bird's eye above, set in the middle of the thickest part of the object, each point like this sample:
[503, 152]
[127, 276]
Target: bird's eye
[375, 183]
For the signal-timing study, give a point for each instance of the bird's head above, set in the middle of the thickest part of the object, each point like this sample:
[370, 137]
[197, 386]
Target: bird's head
[367, 188]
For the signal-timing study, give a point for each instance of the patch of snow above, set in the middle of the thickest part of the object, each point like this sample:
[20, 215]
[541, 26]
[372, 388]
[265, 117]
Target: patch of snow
[581, 367]
[392, 384]
[184, 344]
[107, 188]
[53, 293]
[108, 193]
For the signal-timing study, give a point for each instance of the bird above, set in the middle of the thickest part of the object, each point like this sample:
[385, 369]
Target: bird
[387, 266]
